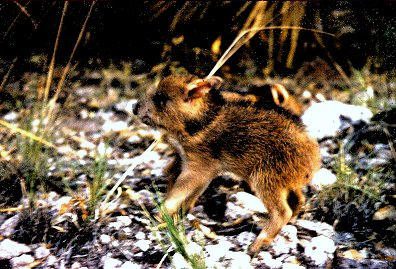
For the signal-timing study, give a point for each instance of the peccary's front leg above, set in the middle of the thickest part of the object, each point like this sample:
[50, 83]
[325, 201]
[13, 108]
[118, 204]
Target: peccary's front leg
[191, 183]
[172, 171]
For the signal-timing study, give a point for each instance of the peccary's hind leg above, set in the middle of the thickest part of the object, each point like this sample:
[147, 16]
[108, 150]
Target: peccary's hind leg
[279, 215]
[296, 201]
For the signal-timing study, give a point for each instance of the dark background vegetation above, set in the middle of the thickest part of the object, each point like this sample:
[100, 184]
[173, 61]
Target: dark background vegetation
[138, 30]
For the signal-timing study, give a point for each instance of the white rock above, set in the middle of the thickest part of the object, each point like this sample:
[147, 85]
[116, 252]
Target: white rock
[121, 221]
[292, 266]
[127, 231]
[266, 259]
[21, 260]
[76, 265]
[130, 265]
[234, 212]
[126, 106]
[372, 163]
[318, 257]
[104, 238]
[140, 235]
[324, 119]
[152, 157]
[10, 249]
[51, 260]
[144, 245]
[245, 238]
[11, 116]
[8, 227]
[322, 178]
[239, 260]
[117, 126]
[41, 252]
[134, 139]
[179, 262]
[111, 263]
[320, 249]
[216, 252]
[281, 245]
[193, 248]
[321, 228]
[323, 243]
[82, 153]
[85, 144]
[290, 232]
[248, 201]
[115, 243]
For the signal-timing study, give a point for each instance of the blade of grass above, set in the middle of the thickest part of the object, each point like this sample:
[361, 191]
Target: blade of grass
[15, 129]
[26, 133]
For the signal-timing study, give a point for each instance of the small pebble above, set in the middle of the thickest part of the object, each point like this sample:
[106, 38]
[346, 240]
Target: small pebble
[41, 252]
[8, 227]
[105, 239]
[322, 178]
[111, 263]
[22, 260]
[246, 238]
[140, 235]
[76, 265]
[144, 245]
[10, 249]
[130, 265]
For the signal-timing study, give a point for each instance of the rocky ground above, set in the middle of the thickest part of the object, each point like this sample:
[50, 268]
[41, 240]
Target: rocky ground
[348, 222]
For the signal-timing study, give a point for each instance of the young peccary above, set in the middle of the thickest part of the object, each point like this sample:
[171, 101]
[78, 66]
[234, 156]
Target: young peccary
[265, 145]
[264, 96]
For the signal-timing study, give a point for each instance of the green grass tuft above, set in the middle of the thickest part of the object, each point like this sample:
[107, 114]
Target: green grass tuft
[175, 232]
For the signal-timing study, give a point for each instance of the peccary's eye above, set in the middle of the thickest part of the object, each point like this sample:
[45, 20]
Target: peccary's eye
[160, 100]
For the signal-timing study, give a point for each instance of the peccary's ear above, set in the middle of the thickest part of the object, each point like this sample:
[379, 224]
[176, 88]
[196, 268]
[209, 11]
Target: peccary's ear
[200, 87]
[279, 94]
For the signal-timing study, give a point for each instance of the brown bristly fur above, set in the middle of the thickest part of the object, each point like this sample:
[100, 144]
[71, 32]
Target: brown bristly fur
[258, 141]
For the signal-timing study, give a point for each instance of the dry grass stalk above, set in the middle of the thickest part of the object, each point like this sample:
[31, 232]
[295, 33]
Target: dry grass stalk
[52, 63]
[68, 65]
[14, 21]
[128, 172]
[235, 45]
[243, 8]
[298, 11]
[180, 14]
[5, 78]
[11, 209]
[24, 11]
[160, 7]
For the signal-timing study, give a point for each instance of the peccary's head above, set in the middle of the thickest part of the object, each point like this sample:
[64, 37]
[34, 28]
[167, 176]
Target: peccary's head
[177, 100]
